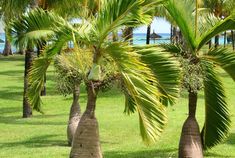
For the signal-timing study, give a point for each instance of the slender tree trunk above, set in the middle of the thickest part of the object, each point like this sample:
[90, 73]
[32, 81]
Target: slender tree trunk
[148, 34]
[174, 33]
[225, 37]
[39, 50]
[180, 37]
[171, 34]
[7, 49]
[86, 143]
[74, 115]
[128, 34]
[216, 41]
[190, 145]
[21, 50]
[210, 43]
[27, 110]
[43, 91]
[233, 43]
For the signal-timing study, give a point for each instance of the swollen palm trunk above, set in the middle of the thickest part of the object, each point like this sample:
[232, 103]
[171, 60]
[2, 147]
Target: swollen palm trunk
[86, 142]
[190, 145]
[74, 116]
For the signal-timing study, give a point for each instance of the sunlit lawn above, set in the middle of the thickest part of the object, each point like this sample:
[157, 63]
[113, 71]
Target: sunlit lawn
[44, 136]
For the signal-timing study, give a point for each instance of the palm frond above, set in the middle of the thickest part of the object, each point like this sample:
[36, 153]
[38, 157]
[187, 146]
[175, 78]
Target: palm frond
[166, 70]
[174, 49]
[12, 8]
[219, 27]
[116, 13]
[142, 94]
[150, 6]
[71, 68]
[217, 118]
[223, 57]
[33, 27]
[206, 21]
[182, 14]
[36, 79]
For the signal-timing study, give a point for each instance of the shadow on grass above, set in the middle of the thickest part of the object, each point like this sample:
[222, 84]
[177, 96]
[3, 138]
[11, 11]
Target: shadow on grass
[18, 73]
[12, 58]
[158, 153]
[34, 121]
[11, 95]
[214, 155]
[7, 110]
[36, 142]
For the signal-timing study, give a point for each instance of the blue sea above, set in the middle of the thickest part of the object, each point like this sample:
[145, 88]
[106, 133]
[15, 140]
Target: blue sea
[139, 39]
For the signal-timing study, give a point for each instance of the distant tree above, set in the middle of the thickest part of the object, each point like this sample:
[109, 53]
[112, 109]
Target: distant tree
[8, 10]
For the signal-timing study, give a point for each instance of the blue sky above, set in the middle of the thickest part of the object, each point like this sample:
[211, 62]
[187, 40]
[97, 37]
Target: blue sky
[158, 25]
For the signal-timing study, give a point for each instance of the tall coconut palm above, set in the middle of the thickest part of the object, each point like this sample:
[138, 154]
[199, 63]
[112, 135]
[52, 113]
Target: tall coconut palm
[200, 69]
[146, 91]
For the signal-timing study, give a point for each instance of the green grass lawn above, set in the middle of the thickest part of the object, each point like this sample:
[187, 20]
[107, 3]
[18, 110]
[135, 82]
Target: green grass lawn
[44, 136]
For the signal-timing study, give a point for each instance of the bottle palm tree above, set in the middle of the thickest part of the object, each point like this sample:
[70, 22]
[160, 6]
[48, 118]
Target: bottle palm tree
[200, 70]
[146, 91]
[69, 76]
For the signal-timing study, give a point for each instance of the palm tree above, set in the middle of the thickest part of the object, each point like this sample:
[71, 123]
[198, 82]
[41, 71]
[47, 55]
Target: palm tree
[9, 10]
[146, 91]
[200, 70]
[69, 76]
[18, 7]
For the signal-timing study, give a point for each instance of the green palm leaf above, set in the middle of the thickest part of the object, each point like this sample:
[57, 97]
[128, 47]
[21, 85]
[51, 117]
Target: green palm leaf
[36, 79]
[217, 28]
[182, 14]
[166, 70]
[217, 118]
[33, 27]
[223, 57]
[206, 22]
[117, 13]
[141, 94]
[174, 49]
